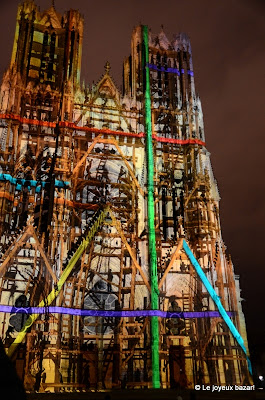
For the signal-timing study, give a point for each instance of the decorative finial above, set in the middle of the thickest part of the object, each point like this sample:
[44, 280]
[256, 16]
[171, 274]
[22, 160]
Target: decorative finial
[53, 3]
[107, 68]
[162, 27]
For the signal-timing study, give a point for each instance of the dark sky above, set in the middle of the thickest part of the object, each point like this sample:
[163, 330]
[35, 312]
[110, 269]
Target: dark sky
[227, 39]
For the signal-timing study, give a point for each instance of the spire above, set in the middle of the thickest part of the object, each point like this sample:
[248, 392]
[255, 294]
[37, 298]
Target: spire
[107, 68]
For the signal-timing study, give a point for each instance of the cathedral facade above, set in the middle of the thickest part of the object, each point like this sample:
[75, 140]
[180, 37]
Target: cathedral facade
[113, 268]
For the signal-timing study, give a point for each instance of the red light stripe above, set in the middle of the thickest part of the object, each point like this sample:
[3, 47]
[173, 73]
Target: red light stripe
[71, 125]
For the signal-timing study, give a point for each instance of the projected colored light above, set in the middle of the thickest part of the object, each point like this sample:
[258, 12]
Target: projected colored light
[71, 125]
[151, 217]
[169, 69]
[29, 182]
[110, 313]
[216, 300]
[54, 293]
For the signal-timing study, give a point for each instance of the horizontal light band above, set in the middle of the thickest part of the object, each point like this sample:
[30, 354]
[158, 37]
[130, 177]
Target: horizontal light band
[170, 70]
[30, 182]
[72, 125]
[110, 313]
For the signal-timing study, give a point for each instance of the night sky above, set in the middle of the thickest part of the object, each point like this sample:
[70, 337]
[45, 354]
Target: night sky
[227, 39]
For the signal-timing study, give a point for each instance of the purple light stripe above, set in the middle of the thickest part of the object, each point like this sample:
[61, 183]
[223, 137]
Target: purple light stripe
[109, 313]
[171, 70]
[162, 69]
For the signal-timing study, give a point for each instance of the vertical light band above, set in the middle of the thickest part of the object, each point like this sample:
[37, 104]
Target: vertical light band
[151, 215]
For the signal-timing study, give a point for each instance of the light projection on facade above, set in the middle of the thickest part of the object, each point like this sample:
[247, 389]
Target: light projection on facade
[113, 268]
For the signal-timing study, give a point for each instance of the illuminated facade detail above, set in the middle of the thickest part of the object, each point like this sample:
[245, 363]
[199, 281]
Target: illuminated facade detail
[109, 219]
[151, 214]
[110, 313]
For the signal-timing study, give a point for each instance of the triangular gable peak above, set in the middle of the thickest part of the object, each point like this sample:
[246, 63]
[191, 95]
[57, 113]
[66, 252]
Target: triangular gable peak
[106, 88]
[51, 18]
[164, 43]
[160, 41]
[105, 94]
[26, 240]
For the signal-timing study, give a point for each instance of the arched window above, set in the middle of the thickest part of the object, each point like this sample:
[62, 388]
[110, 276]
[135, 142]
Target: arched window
[27, 100]
[47, 101]
[159, 76]
[51, 58]
[38, 100]
[71, 52]
[45, 39]
[43, 55]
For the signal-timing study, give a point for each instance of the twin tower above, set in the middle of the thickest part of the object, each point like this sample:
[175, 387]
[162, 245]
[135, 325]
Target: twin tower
[113, 269]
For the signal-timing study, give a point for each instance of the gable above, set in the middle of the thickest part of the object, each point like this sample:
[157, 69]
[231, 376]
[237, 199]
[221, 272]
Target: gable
[51, 18]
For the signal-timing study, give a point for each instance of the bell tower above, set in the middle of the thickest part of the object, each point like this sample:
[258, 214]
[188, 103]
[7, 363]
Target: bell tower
[46, 55]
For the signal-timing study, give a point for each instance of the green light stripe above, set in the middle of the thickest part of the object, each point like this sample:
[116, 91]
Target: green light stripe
[151, 217]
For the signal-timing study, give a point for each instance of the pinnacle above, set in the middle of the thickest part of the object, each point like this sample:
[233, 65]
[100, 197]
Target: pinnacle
[107, 67]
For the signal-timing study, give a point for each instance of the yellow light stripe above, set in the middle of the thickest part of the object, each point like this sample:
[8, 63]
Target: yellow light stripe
[54, 293]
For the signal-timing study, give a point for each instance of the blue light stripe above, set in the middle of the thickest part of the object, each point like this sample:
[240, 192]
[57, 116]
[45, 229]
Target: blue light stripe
[29, 182]
[217, 301]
